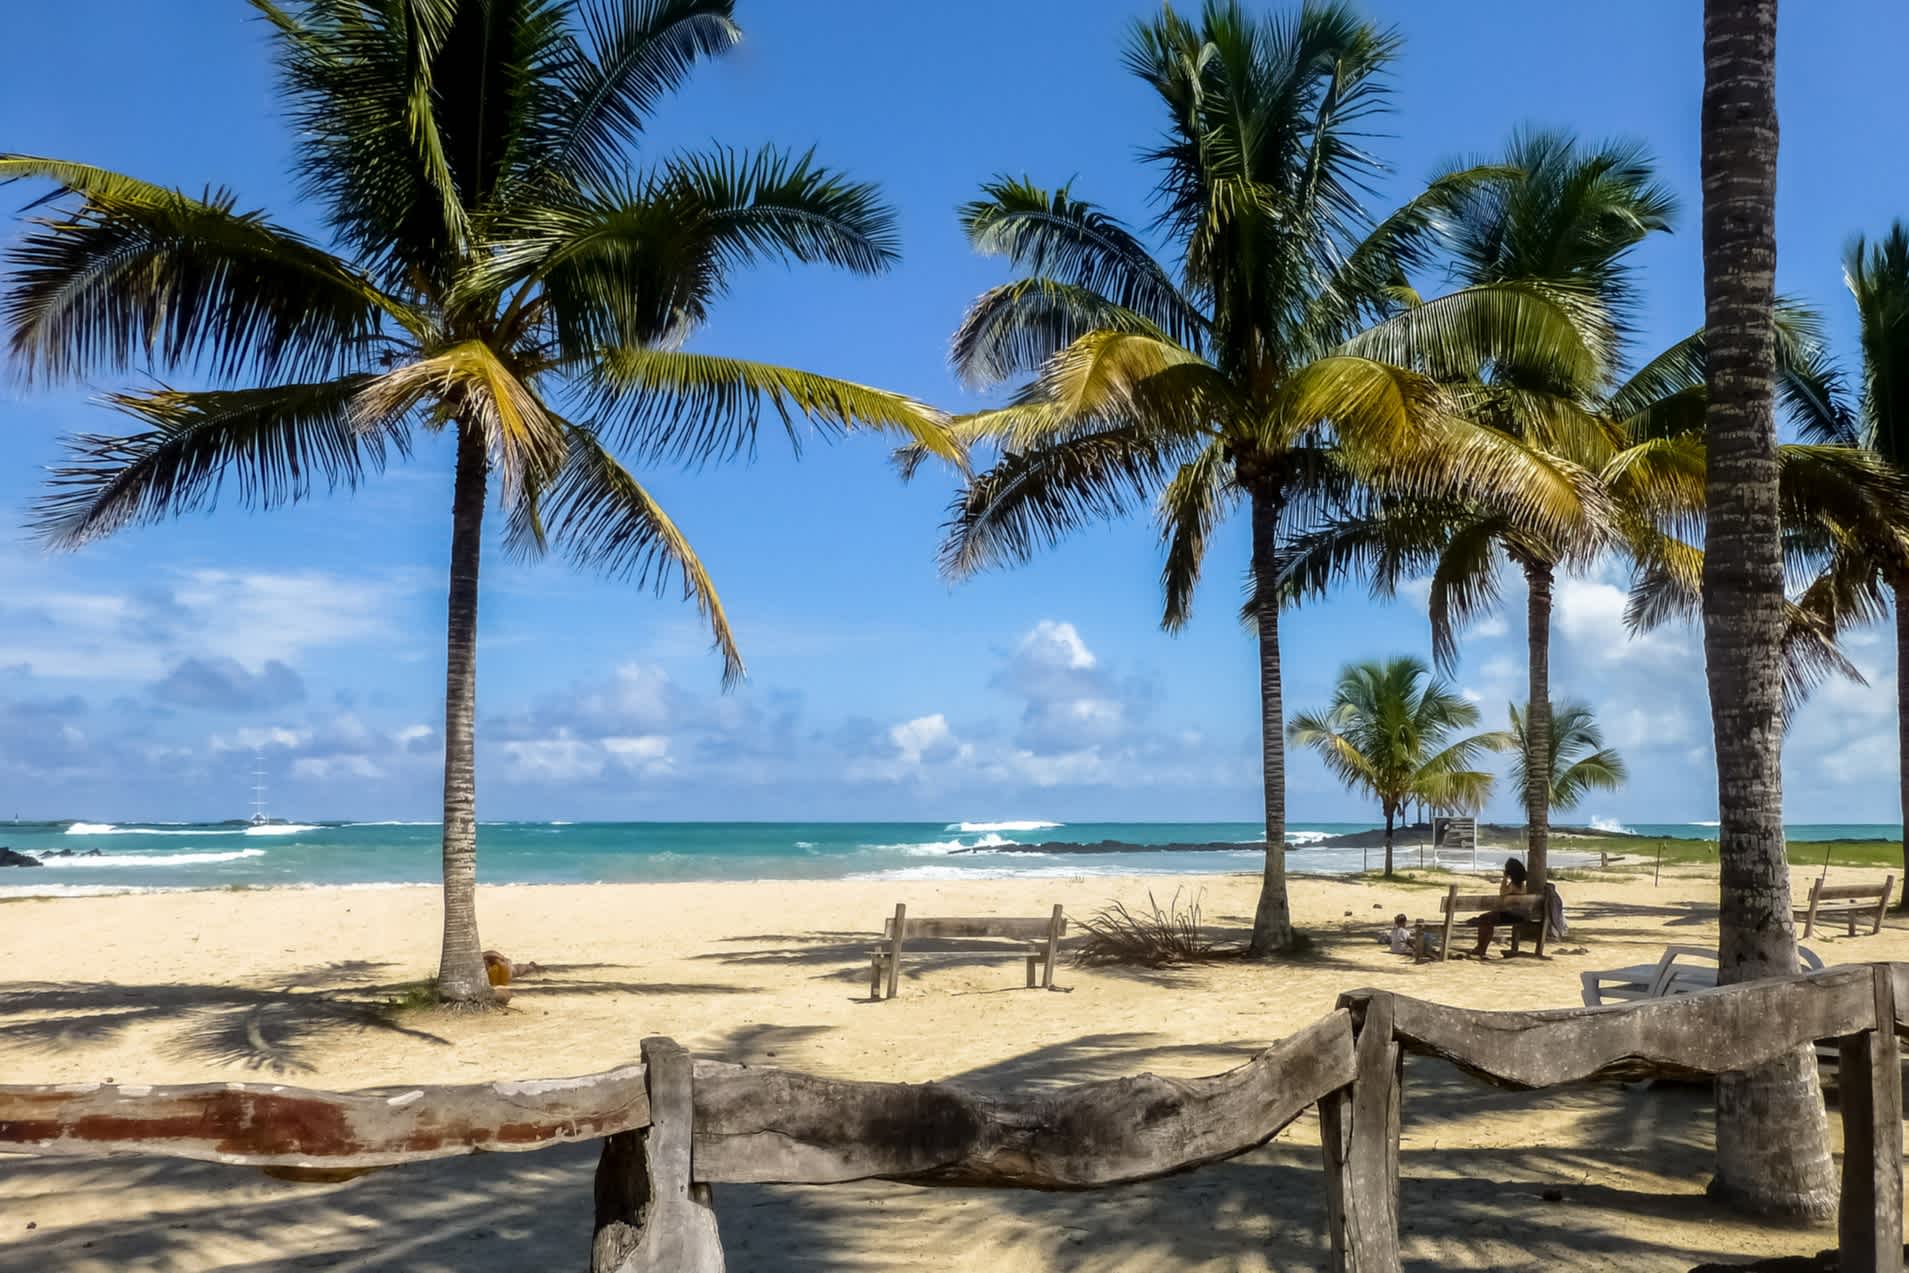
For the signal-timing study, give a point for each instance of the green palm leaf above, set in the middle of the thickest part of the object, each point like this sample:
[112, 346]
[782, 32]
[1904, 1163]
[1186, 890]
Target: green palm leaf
[268, 444]
[604, 520]
[669, 404]
[123, 270]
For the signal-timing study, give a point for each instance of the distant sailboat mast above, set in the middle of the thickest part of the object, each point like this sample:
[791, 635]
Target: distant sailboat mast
[258, 787]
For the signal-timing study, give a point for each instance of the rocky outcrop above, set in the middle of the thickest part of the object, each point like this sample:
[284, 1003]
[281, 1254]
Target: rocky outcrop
[9, 858]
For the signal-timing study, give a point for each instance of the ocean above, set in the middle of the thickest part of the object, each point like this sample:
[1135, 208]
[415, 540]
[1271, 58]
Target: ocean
[108, 857]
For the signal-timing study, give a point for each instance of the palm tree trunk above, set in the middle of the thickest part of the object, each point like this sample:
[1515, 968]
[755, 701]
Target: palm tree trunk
[461, 980]
[1272, 920]
[1772, 1155]
[1389, 815]
[1902, 726]
[1538, 578]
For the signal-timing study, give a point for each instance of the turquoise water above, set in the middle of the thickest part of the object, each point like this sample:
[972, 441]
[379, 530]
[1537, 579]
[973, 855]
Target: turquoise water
[115, 858]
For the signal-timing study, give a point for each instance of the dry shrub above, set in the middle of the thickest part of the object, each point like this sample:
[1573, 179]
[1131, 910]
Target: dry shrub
[1158, 937]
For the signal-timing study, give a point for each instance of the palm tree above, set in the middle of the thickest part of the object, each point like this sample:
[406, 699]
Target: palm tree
[1864, 568]
[1772, 1153]
[1577, 761]
[1389, 734]
[1267, 365]
[498, 273]
[1560, 215]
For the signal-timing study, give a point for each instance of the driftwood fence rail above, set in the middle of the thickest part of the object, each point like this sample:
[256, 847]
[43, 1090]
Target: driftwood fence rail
[675, 1125]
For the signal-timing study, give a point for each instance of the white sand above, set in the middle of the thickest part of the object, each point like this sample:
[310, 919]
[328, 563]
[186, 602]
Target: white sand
[271, 985]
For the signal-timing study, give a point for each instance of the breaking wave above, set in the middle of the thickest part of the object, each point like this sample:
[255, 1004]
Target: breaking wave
[150, 859]
[970, 828]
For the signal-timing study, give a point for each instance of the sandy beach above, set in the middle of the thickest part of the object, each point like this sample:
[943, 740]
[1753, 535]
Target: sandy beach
[282, 985]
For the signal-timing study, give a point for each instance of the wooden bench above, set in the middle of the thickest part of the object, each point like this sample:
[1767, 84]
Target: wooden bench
[1531, 909]
[1046, 933]
[1852, 901]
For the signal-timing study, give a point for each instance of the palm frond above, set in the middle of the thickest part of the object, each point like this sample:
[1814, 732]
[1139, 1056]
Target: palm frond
[605, 521]
[1548, 332]
[1190, 508]
[1036, 497]
[269, 444]
[1015, 328]
[630, 55]
[468, 383]
[694, 408]
[1053, 235]
[121, 270]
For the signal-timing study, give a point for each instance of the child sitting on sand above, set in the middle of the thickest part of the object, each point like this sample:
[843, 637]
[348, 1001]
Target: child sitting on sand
[1400, 937]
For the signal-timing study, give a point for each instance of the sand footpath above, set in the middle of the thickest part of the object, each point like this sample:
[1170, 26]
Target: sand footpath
[282, 985]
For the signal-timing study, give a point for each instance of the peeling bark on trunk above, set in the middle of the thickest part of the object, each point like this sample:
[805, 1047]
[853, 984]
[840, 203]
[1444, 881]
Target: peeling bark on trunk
[1272, 920]
[1772, 1155]
[461, 978]
[1538, 578]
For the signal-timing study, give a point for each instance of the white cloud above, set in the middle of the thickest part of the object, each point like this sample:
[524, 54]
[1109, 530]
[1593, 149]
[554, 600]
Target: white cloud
[326, 768]
[647, 755]
[558, 759]
[1055, 644]
[1872, 758]
[1489, 627]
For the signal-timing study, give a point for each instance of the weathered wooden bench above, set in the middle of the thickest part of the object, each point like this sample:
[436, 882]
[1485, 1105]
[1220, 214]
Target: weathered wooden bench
[1851, 901]
[885, 959]
[1531, 911]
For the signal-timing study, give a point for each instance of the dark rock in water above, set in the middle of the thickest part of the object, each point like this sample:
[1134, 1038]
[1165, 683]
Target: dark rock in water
[59, 853]
[92, 853]
[9, 858]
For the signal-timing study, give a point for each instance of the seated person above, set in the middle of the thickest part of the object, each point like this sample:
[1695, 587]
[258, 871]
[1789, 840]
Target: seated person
[1400, 938]
[1511, 883]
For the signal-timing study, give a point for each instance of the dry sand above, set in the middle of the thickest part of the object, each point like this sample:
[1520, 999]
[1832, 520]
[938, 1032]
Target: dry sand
[273, 985]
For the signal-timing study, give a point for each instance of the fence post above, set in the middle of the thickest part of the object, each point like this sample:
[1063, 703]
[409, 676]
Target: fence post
[1360, 1131]
[651, 1217]
[1869, 1212]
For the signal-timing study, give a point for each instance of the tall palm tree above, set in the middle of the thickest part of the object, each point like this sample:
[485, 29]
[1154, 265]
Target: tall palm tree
[1267, 364]
[1772, 1153]
[1389, 734]
[1561, 215]
[1865, 568]
[499, 273]
[1577, 761]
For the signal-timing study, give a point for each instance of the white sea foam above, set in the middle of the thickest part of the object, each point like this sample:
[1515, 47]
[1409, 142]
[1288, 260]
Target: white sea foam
[1703, 824]
[155, 859]
[280, 828]
[1610, 824]
[940, 848]
[396, 822]
[1306, 837]
[970, 828]
[805, 844]
[109, 828]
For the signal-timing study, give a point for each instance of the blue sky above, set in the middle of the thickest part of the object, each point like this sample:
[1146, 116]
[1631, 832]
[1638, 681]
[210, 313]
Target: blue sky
[137, 676]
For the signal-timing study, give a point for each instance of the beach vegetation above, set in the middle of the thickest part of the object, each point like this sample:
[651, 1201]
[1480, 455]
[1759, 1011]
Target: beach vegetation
[507, 283]
[1273, 360]
[1394, 732]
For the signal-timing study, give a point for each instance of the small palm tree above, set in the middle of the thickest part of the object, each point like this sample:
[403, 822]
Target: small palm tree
[1577, 759]
[499, 274]
[1278, 362]
[1389, 733]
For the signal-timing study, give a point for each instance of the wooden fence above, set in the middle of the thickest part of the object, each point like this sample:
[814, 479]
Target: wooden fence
[675, 1125]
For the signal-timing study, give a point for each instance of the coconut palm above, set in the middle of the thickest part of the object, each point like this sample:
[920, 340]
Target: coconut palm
[1558, 214]
[1865, 568]
[1267, 364]
[1576, 758]
[1772, 1150]
[498, 273]
[1389, 733]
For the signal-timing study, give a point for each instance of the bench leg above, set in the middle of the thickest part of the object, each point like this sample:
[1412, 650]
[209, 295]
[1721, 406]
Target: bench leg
[1033, 961]
[875, 977]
